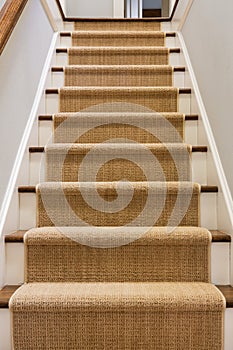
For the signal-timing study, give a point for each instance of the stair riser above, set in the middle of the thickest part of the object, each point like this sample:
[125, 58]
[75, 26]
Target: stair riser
[57, 79]
[6, 340]
[37, 166]
[46, 129]
[66, 41]
[52, 103]
[220, 255]
[62, 59]
[27, 210]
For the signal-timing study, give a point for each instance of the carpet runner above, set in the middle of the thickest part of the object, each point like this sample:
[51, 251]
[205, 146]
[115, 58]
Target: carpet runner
[118, 260]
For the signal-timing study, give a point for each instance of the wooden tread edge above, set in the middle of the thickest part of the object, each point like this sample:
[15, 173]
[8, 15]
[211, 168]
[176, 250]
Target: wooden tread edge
[62, 69]
[65, 50]
[7, 292]
[195, 149]
[32, 189]
[167, 34]
[217, 236]
[188, 117]
[184, 91]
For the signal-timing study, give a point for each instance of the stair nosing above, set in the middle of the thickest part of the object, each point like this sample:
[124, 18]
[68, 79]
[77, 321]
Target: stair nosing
[167, 34]
[65, 50]
[49, 117]
[217, 236]
[226, 290]
[204, 189]
[53, 91]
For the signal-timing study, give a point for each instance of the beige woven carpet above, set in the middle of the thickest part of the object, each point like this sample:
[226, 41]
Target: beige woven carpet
[75, 99]
[133, 204]
[120, 55]
[118, 260]
[96, 316]
[101, 127]
[119, 75]
[76, 255]
[118, 38]
[117, 25]
[114, 162]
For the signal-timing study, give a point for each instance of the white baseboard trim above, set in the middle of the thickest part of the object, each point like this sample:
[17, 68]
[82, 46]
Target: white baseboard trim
[21, 151]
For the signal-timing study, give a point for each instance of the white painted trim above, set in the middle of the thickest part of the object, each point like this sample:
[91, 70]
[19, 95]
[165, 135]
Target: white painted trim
[22, 148]
[183, 19]
[118, 8]
[49, 15]
[209, 133]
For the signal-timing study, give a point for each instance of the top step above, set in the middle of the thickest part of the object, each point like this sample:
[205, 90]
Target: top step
[117, 24]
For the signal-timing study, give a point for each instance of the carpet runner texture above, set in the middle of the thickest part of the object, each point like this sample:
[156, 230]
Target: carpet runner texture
[77, 254]
[75, 99]
[118, 38]
[134, 204]
[114, 161]
[95, 316]
[117, 25]
[118, 260]
[121, 127]
[113, 75]
[121, 55]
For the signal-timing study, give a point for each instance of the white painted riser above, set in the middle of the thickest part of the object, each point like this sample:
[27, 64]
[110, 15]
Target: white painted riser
[6, 338]
[175, 59]
[220, 255]
[169, 42]
[57, 79]
[46, 129]
[52, 103]
[37, 166]
[27, 210]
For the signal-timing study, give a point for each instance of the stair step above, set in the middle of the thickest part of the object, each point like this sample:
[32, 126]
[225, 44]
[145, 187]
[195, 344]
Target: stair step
[95, 99]
[61, 162]
[218, 236]
[102, 310]
[116, 24]
[7, 291]
[204, 189]
[192, 117]
[62, 69]
[118, 38]
[39, 149]
[118, 75]
[220, 255]
[117, 56]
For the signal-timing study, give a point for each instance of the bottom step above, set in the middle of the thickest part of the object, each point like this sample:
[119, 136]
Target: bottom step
[118, 316]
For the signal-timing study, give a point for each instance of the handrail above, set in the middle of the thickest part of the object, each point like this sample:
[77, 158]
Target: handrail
[155, 19]
[9, 16]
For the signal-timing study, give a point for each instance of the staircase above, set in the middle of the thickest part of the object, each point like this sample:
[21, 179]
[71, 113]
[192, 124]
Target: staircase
[121, 249]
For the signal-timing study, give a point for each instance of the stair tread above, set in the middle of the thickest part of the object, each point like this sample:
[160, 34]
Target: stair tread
[32, 189]
[17, 236]
[116, 32]
[8, 291]
[65, 50]
[39, 149]
[193, 117]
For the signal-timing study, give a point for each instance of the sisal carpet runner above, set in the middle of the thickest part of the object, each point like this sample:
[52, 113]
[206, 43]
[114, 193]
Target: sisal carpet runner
[118, 260]
[121, 55]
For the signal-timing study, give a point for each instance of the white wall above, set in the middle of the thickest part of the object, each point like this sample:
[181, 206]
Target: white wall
[21, 65]
[171, 5]
[89, 8]
[208, 33]
[2, 2]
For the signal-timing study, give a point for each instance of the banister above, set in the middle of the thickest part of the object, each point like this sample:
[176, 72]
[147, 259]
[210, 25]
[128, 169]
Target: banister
[9, 16]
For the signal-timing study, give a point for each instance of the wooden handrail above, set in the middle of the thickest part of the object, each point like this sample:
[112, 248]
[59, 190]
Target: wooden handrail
[9, 16]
